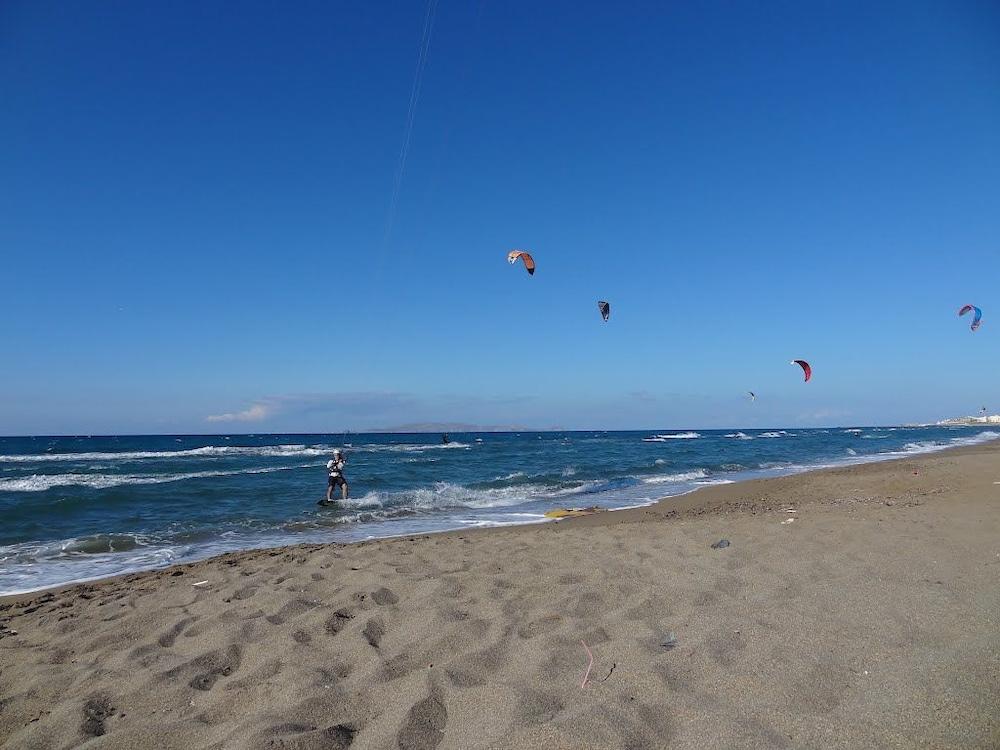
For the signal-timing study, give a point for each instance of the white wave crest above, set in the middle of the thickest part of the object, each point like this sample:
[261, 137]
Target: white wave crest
[673, 436]
[739, 436]
[508, 477]
[222, 451]
[930, 446]
[448, 495]
[403, 448]
[205, 451]
[686, 476]
[42, 482]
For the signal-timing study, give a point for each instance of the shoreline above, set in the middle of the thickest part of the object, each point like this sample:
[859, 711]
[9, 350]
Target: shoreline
[868, 621]
[751, 476]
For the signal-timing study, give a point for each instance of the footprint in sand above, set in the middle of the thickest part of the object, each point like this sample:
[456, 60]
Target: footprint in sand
[292, 609]
[96, 711]
[373, 632]
[463, 678]
[539, 626]
[266, 671]
[396, 667]
[338, 621]
[211, 666]
[384, 596]
[424, 725]
[334, 673]
[474, 669]
[306, 737]
[360, 600]
[167, 639]
[536, 707]
[244, 593]
[145, 655]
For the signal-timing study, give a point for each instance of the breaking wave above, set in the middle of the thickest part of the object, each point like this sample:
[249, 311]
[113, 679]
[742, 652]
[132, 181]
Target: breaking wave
[444, 495]
[403, 448]
[42, 482]
[225, 451]
[687, 476]
[672, 436]
[929, 446]
[207, 451]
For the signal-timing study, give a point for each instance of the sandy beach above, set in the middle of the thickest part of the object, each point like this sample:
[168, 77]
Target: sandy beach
[852, 608]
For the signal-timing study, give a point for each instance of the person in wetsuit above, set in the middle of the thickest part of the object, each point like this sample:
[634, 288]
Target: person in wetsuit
[335, 472]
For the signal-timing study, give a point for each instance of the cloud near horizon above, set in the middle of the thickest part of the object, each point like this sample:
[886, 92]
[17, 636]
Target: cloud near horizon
[255, 413]
[366, 404]
[369, 410]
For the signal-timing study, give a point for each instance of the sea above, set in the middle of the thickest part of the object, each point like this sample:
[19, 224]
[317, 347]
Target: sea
[81, 508]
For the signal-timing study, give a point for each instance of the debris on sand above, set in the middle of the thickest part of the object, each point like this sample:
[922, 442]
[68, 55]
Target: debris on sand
[721, 544]
[589, 666]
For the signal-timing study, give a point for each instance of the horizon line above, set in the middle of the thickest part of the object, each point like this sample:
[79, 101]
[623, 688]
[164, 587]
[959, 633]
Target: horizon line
[942, 423]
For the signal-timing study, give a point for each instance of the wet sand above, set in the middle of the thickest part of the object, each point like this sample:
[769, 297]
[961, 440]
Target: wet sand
[853, 608]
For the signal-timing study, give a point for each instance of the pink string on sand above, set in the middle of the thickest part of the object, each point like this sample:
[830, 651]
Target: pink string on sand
[589, 666]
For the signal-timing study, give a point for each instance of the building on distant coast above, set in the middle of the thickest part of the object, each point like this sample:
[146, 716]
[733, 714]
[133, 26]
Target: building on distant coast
[985, 419]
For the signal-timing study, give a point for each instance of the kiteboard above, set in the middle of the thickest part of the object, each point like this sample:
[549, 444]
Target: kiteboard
[573, 512]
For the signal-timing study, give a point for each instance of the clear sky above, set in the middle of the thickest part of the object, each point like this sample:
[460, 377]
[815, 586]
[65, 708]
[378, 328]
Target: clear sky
[197, 233]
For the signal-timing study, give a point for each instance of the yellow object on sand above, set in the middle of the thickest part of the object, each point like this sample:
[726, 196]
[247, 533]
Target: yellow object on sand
[573, 512]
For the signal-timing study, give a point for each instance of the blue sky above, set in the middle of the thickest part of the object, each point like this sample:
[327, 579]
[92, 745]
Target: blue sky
[194, 203]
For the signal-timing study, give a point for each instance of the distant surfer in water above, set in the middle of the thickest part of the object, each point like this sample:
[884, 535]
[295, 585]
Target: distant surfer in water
[335, 470]
[444, 439]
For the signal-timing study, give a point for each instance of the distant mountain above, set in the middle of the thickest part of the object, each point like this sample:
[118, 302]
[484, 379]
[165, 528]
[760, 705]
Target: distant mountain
[459, 427]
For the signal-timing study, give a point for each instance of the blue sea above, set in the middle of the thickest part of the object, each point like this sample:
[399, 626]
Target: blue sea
[77, 508]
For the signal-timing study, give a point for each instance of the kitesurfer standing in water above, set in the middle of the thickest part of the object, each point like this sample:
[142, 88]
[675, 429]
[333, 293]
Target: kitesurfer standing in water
[335, 470]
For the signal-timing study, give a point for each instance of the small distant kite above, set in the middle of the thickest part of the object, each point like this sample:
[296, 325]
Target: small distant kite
[752, 395]
[977, 315]
[806, 368]
[529, 262]
[605, 308]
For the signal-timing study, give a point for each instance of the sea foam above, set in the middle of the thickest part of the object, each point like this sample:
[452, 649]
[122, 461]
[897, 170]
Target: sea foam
[673, 436]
